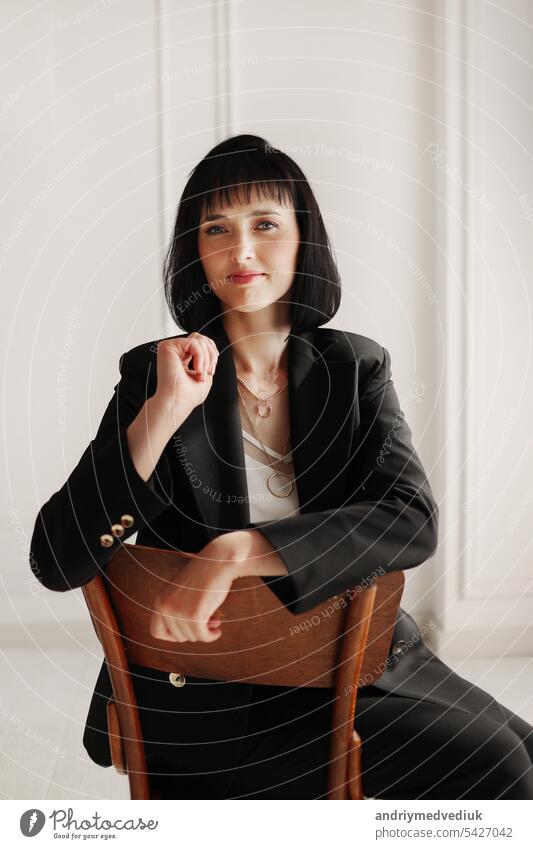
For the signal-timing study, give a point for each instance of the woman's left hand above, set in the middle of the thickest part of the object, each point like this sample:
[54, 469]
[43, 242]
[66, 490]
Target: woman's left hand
[184, 613]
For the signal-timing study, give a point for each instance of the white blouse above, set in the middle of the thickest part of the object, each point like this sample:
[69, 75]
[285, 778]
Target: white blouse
[265, 507]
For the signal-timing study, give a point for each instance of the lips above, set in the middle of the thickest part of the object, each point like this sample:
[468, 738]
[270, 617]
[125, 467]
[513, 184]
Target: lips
[247, 277]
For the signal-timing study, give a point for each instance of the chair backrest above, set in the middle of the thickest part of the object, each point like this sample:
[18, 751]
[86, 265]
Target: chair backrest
[342, 643]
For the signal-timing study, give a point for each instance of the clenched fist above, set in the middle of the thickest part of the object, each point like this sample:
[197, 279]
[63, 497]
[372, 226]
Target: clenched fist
[185, 369]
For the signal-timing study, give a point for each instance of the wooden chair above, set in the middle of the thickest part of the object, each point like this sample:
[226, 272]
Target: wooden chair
[342, 643]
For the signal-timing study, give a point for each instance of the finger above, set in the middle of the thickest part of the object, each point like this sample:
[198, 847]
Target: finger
[211, 635]
[170, 638]
[208, 356]
[169, 629]
[216, 619]
[200, 628]
[207, 629]
[180, 627]
[211, 354]
[197, 352]
[213, 359]
[158, 629]
[175, 636]
[180, 350]
[208, 360]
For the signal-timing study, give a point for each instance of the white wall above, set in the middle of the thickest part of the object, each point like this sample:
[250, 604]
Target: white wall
[485, 189]
[107, 106]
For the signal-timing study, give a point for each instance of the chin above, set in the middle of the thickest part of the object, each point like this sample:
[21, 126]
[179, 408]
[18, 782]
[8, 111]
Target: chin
[252, 307]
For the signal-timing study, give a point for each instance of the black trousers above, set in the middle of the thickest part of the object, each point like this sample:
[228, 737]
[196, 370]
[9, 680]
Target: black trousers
[412, 749]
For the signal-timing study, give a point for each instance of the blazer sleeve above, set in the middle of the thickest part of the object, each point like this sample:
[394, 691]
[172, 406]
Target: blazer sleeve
[65, 550]
[388, 520]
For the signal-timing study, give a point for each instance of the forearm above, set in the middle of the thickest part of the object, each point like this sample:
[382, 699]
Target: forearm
[248, 552]
[150, 431]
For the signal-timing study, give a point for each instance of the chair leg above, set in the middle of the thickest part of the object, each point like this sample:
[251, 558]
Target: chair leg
[139, 786]
[138, 781]
[118, 755]
[355, 783]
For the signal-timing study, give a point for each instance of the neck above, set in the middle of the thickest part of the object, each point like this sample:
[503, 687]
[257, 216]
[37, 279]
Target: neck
[258, 341]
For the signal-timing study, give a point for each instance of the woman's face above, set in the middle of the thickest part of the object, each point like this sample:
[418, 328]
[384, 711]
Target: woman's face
[261, 237]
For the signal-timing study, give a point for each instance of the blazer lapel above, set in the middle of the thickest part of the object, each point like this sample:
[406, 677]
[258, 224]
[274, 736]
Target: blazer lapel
[322, 395]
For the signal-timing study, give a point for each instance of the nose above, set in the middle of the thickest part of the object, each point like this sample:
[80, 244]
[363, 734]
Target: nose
[241, 252]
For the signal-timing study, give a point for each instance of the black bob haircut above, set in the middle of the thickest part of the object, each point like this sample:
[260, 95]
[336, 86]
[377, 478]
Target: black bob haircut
[227, 175]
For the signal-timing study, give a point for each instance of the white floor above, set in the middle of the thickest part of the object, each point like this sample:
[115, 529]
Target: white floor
[44, 701]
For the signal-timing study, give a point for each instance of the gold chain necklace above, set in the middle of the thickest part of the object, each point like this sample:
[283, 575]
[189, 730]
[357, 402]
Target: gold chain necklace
[283, 487]
[264, 408]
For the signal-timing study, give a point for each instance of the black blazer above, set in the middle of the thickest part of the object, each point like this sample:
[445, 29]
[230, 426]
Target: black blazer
[365, 505]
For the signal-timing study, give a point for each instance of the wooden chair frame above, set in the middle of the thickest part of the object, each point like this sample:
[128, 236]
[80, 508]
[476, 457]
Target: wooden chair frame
[348, 650]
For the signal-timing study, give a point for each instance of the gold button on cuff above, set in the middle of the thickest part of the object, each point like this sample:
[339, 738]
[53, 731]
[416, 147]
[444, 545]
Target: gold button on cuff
[106, 540]
[177, 679]
[117, 530]
[127, 520]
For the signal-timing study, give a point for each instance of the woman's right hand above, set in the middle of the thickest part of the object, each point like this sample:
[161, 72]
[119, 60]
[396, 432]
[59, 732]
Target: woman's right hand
[176, 382]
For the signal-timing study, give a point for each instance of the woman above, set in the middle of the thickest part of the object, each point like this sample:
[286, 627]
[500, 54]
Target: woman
[274, 447]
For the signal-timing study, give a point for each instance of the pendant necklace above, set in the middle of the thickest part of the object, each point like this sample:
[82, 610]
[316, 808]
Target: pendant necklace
[279, 483]
[264, 407]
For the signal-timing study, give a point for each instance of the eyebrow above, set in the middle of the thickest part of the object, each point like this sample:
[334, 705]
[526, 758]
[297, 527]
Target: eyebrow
[216, 216]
